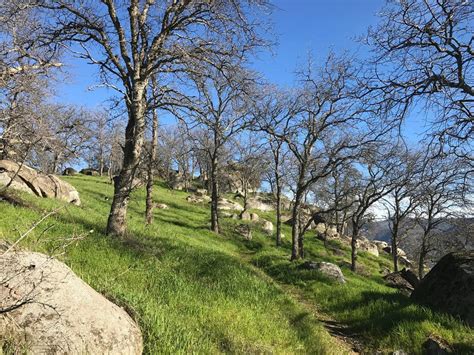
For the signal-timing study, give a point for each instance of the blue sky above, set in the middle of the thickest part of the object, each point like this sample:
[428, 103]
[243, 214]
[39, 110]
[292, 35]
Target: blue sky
[301, 26]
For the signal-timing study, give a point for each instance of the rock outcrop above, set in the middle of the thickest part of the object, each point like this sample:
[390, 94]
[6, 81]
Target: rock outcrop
[29, 180]
[449, 286]
[260, 203]
[330, 270]
[55, 312]
[363, 244]
[404, 280]
[225, 204]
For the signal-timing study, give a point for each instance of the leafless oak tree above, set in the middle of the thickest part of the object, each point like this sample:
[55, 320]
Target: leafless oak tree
[132, 41]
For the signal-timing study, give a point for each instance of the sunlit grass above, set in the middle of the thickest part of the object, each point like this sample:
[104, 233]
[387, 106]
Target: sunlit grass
[193, 291]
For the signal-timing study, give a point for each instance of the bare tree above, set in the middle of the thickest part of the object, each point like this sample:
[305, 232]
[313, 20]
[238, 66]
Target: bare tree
[404, 197]
[374, 184]
[315, 127]
[221, 108]
[250, 164]
[443, 196]
[424, 52]
[132, 41]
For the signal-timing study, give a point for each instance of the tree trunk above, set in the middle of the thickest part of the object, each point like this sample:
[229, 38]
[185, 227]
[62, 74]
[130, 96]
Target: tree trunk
[149, 183]
[355, 235]
[395, 246]
[101, 162]
[278, 214]
[214, 195]
[117, 221]
[295, 229]
[421, 259]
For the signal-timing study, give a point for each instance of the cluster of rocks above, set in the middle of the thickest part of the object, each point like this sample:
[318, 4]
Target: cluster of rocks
[24, 178]
[53, 311]
[199, 196]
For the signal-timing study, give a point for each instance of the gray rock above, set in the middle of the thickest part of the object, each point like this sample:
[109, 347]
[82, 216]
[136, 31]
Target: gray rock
[225, 204]
[244, 231]
[267, 227]
[29, 180]
[245, 216]
[449, 286]
[436, 346]
[69, 172]
[254, 217]
[328, 269]
[399, 281]
[62, 315]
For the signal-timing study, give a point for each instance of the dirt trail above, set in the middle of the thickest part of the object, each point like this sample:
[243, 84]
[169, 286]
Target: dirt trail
[340, 332]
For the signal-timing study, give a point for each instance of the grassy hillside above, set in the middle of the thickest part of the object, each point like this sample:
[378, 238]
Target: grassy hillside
[191, 290]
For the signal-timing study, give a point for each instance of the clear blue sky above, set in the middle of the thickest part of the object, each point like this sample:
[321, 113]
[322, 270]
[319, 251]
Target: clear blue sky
[301, 26]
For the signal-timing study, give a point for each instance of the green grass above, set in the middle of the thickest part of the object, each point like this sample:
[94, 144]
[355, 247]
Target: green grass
[193, 291]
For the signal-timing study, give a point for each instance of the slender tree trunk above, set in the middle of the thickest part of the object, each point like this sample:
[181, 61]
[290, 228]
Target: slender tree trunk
[55, 163]
[278, 213]
[395, 246]
[421, 258]
[149, 183]
[101, 162]
[355, 235]
[134, 132]
[214, 195]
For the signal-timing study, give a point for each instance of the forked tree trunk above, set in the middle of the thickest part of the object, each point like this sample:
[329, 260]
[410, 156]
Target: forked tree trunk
[134, 132]
[149, 182]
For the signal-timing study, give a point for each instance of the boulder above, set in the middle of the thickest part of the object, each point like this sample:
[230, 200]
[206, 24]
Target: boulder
[69, 172]
[200, 192]
[260, 203]
[267, 227]
[61, 314]
[396, 280]
[449, 286]
[328, 269]
[380, 245]
[363, 244]
[162, 206]
[326, 231]
[198, 199]
[90, 172]
[254, 217]
[388, 249]
[245, 216]
[29, 180]
[244, 231]
[225, 204]
[436, 346]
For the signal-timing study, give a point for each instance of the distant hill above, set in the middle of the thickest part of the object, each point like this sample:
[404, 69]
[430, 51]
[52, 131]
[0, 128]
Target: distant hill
[451, 235]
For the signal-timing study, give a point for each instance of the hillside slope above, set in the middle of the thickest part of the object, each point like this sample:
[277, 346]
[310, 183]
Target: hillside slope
[191, 290]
